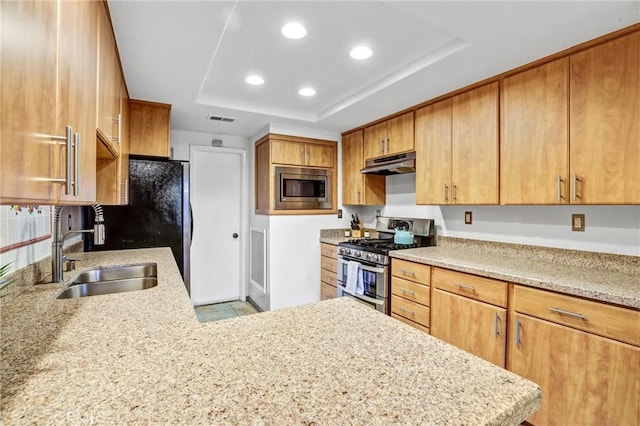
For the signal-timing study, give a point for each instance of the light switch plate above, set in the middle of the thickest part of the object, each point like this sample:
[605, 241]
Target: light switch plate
[468, 218]
[339, 213]
[577, 222]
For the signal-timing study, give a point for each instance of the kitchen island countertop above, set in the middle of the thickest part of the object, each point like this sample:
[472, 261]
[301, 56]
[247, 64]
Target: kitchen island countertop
[142, 357]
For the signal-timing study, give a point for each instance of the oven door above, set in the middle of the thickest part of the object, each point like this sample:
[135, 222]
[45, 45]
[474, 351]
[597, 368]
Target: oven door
[375, 284]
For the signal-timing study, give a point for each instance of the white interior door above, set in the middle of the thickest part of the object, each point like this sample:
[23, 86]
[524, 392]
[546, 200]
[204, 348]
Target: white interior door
[216, 198]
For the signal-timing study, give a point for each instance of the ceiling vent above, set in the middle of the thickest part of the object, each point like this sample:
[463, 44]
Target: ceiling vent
[219, 118]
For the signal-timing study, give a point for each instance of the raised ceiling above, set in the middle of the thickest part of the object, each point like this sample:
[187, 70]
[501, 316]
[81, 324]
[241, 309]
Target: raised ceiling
[196, 55]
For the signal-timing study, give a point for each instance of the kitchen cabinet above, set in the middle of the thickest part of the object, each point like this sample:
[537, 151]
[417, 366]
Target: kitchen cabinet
[389, 137]
[470, 312]
[534, 135]
[123, 160]
[359, 189]
[457, 149]
[411, 293]
[605, 129]
[149, 128]
[276, 150]
[49, 62]
[328, 271]
[583, 354]
[306, 154]
[108, 117]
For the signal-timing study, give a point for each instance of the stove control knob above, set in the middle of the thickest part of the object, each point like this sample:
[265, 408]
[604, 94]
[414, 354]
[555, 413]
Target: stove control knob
[374, 257]
[341, 251]
[357, 254]
[347, 251]
[369, 256]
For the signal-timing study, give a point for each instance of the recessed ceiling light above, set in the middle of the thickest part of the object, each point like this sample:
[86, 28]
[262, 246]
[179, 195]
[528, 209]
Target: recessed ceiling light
[294, 30]
[254, 80]
[360, 52]
[307, 91]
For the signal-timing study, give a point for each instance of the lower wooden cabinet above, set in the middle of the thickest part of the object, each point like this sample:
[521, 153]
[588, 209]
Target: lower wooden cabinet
[411, 293]
[328, 271]
[585, 379]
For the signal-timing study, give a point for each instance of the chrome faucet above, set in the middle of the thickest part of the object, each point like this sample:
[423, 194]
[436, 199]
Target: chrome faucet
[57, 245]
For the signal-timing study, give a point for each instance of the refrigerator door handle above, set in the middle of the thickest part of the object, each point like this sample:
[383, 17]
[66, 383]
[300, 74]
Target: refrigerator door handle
[191, 220]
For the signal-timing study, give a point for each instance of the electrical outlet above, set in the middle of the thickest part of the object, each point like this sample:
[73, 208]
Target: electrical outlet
[577, 222]
[377, 213]
[339, 213]
[468, 218]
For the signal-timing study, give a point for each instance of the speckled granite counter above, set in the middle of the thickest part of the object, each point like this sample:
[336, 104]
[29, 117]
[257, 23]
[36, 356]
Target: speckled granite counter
[607, 278]
[142, 358]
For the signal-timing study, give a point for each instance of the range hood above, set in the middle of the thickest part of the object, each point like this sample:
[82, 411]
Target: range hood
[391, 165]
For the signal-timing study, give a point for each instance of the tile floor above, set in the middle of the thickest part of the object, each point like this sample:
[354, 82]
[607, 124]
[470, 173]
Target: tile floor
[220, 311]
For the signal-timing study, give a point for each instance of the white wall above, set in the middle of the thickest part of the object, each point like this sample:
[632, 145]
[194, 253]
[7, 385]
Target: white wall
[181, 140]
[609, 229]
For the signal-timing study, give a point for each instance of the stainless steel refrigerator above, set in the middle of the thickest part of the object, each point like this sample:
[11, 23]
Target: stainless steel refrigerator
[158, 214]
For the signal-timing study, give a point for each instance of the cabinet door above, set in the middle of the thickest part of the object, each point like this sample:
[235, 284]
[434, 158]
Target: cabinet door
[108, 93]
[475, 146]
[585, 379]
[400, 134]
[150, 129]
[605, 124]
[123, 176]
[285, 152]
[28, 83]
[375, 139]
[359, 189]
[433, 153]
[318, 155]
[476, 327]
[77, 85]
[534, 141]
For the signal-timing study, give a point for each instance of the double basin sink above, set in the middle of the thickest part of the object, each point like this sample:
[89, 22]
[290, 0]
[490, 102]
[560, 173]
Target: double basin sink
[114, 279]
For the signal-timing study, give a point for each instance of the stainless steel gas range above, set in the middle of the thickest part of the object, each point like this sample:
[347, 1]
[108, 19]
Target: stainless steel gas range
[364, 264]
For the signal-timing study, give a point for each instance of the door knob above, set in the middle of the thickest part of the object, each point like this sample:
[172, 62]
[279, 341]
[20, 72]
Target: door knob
[235, 235]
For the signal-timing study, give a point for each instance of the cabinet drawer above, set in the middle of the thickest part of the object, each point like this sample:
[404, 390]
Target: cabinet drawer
[410, 310]
[598, 318]
[327, 291]
[329, 250]
[329, 264]
[479, 288]
[328, 277]
[411, 271]
[411, 323]
[409, 290]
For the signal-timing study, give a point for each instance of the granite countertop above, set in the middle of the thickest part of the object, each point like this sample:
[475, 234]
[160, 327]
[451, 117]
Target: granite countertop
[142, 357]
[593, 281]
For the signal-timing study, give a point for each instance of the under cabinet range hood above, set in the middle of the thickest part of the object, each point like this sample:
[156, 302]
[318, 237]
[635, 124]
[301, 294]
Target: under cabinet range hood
[391, 165]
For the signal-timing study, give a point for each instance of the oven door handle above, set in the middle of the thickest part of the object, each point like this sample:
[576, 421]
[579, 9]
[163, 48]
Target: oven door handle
[364, 267]
[361, 296]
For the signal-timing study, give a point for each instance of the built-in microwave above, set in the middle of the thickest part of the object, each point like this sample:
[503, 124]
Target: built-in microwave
[298, 188]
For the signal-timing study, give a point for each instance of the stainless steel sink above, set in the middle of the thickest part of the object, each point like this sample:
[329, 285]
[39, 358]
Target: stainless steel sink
[117, 279]
[107, 287]
[117, 273]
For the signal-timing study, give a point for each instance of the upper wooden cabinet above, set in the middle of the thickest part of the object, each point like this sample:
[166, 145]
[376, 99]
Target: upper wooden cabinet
[605, 123]
[281, 150]
[534, 135]
[389, 137]
[457, 149]
[123, 161]
[149, 128]
[359, 189]
[48, 125]
[109, 76]
[297, 152]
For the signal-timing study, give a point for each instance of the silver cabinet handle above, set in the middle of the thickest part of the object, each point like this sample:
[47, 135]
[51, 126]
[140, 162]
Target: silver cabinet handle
[358, 196]
[123, 193]
[560, 181]
[76, 157]
[308, 151]
[567, 313]
[68, 141]
[406, 311]
[382, 146]
[302, 155]
[409, 292]
[497, 325]
[517, 333]
[454, 193]
[575, 187]
[465, 287]
[446, 193]
[387, 145]
[407, 273]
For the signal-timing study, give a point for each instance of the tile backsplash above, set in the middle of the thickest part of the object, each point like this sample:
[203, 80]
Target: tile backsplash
[24, 234]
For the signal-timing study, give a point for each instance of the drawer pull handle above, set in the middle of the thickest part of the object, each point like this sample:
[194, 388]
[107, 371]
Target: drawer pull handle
[466, 287]
[497, 326]
[409, 292]
[567, 313]
[517, 333]
[408, 273]
[406, 311]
